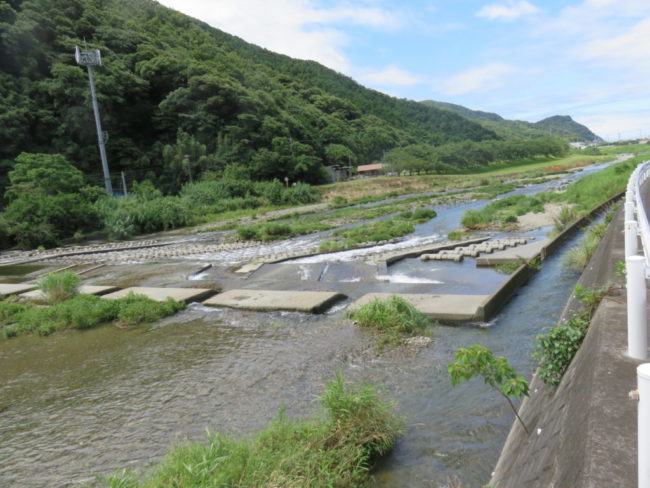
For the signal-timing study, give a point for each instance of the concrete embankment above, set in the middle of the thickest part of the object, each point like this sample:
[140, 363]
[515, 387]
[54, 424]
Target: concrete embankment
[583, 432]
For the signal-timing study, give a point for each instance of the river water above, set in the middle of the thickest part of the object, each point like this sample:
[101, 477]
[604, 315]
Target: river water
[79, 404]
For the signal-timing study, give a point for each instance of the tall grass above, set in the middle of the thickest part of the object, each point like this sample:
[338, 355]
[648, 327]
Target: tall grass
[58, 287]
[578, 256]
[335, 451]
[394, 317]
[82, 312]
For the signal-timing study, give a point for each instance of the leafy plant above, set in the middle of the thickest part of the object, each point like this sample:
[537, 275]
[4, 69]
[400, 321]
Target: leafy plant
[478, 360]
[394, 317]
[58, 287]
[335, 451]
[556, 348]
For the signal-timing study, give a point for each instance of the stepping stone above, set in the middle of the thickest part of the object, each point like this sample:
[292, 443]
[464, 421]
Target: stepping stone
[14, 288]
[186, 295]
[455, 308]
[270, 300]
[527, 252]
[83, 290]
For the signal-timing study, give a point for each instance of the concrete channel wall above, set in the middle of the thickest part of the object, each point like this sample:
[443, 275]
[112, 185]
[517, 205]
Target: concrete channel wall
[500, 297]
[583, 432]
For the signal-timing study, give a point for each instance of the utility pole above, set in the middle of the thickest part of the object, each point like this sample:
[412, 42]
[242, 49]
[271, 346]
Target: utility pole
[88, 59]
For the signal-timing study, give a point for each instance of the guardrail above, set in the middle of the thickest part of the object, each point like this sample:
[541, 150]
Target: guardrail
[638, 270]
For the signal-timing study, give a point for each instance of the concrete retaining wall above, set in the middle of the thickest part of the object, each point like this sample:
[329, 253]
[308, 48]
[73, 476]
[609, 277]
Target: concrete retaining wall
[583, 432]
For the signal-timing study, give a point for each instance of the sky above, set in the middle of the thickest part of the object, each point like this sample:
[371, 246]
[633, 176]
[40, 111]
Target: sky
[524, 60]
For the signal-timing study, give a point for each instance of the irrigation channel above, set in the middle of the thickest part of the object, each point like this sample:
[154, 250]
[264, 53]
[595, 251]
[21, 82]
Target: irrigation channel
[79, 404]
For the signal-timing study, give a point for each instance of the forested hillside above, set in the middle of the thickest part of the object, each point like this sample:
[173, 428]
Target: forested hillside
[557, 126]
[179, 98]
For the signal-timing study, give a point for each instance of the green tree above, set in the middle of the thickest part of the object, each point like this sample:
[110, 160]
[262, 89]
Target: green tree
[478, 360]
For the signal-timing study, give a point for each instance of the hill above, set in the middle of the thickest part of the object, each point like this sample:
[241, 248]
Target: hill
[180, 98]
[557, 125]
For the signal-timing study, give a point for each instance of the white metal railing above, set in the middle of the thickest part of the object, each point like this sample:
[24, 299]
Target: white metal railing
[638, 270]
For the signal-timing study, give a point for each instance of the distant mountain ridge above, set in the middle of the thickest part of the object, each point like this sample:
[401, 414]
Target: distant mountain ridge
[557, 125]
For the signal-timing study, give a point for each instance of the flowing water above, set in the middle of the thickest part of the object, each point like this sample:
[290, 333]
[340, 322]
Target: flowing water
[77, 404]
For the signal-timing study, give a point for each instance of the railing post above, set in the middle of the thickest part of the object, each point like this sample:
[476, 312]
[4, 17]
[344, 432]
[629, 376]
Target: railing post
[631, 237]
[637, 315]
[643, 380]
[629, 208]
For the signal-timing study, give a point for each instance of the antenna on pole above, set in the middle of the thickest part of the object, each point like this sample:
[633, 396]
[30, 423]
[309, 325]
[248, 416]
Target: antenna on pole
[88, 59]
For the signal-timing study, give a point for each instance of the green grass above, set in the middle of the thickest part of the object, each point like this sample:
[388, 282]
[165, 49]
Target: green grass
[394, 318]
[578, 256]
[336, 450]
[58, 287]
[503, 211]
[82, 312]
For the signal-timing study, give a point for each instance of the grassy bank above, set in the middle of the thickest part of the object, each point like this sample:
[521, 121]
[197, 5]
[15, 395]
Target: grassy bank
[81, 312]
[580, 197]
[336, 450]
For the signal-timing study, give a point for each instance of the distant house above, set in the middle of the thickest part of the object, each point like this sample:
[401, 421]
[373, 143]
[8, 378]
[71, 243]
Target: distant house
[370, 169]
[338, 173]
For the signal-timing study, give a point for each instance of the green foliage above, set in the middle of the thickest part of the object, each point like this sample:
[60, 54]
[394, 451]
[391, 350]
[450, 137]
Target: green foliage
[621, 270]
[335, 451]
[58, 287]
[456, 235]
[567, 216]
[82, 312]
[578, 256]
[181, 99]
[46, 201]
[394, 317]
[271, 231]
[496, 372]
[556, 348]
[505, 210]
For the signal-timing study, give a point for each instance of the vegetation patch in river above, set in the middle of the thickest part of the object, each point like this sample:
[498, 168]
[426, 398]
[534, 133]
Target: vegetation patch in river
[394, 318]
[337, 450]
[82, 312]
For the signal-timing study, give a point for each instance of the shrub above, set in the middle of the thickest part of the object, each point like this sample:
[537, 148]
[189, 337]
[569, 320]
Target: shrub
[58, 287]
[336, 451]
[394, 317]
[137, 309]
[556, 348]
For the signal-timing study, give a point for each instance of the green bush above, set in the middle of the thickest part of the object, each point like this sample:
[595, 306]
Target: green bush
[336, 451]
[556, 348]
[58, 287]
[394, 317]
[83, 312]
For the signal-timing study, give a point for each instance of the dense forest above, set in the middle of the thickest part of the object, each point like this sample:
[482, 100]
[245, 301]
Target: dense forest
[198, 121]
[171, 86]
[557, 126]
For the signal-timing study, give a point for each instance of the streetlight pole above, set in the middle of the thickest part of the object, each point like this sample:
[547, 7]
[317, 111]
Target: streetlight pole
[88, 59]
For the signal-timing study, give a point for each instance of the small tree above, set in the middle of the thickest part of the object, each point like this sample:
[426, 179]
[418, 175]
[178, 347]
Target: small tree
[496, 372]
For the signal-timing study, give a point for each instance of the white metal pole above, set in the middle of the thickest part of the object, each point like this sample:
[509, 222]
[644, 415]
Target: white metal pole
[629, 209]
[637, 314]
[631, 238]
[643, 379]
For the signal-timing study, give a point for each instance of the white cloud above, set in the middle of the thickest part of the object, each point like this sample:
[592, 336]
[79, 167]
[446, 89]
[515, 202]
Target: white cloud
[392, 75]
[296, 28]
[509, 11]
[479, 79]
[614, 126]
[631, 47]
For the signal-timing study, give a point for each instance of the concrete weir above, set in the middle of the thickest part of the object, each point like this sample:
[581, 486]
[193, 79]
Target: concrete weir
[456, 308]
[14, 289]
[161, 294]
[272, 300]
[83, 290]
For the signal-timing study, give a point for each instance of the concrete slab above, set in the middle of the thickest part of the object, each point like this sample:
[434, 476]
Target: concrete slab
[84, 290]
[270, 300]
[15, 288]
[161, 294]
[453, 308]
[249, 268]
[289, 272]
[527, 252]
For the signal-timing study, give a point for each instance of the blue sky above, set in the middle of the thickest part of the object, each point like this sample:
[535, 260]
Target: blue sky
[524, 59]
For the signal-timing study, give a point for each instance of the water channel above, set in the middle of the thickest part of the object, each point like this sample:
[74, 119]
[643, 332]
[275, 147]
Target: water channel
[80, 404]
